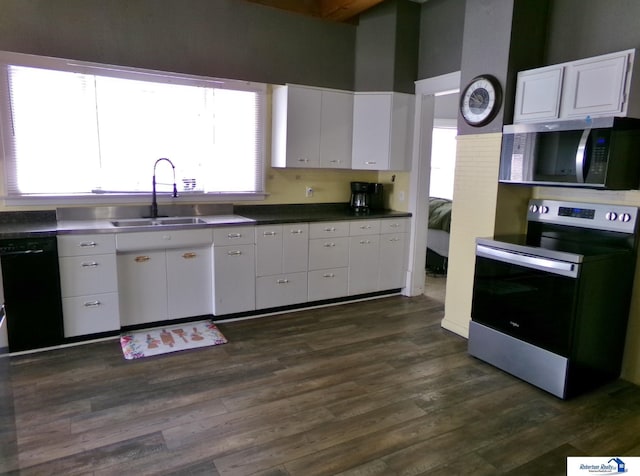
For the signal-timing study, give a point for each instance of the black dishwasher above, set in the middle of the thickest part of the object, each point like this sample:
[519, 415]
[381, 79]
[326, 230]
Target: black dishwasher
[32, 301]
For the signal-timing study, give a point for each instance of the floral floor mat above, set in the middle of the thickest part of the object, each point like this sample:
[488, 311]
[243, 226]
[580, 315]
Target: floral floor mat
[162, 340]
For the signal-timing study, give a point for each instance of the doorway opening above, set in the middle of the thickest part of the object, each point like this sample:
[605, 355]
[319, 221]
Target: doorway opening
[441, 186]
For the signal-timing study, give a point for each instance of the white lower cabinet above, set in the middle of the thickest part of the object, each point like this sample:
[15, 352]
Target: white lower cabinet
[89, 284]
[189, 282]
[364, 264]
[281, 290]
[328, 283]
[142, 279]
[164, 275]
[234, 270]
[328, 260]
[282, 254]
[392, 258]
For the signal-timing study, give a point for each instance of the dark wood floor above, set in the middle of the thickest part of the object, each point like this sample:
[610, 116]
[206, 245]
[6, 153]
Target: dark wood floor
[372, 388]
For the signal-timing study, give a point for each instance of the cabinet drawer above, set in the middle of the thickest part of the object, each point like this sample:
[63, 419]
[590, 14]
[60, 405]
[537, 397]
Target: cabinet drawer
[281, 290]
[90, 314]
[328, 229]
[80, 275]
[394, 225]
[328, 253]
[364, 227]
[328, 284]
[79, 245]
[233, 235]
[153, 240]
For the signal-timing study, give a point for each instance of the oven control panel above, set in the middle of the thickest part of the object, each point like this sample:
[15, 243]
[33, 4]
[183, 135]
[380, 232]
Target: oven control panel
[610, 217]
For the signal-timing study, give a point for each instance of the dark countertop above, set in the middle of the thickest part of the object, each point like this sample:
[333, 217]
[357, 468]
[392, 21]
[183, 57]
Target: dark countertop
[28, 224]
[32, 224]
[271, 214]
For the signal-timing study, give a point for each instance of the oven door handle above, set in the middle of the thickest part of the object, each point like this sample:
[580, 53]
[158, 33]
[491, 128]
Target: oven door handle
[543, 264]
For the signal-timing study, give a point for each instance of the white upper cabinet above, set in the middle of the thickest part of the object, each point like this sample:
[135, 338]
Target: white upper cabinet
[311, 127]
[538, 94]
[597, 86]
[382, 130]
[336, 129]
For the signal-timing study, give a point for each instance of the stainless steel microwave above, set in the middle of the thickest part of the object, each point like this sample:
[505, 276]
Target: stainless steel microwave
[601, 153]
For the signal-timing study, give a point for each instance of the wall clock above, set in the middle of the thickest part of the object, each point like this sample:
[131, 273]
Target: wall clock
[481, 100]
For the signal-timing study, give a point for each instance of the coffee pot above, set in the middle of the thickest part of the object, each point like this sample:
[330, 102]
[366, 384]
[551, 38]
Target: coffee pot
[360, 197]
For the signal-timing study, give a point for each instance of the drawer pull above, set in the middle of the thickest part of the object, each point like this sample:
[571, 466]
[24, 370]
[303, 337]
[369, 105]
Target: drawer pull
[141, 259]
[365, 242]
[89, 264]
[303, 160]
[234, 253]
[329, 245]
[282, 281]
[296, 232]
[234, 235]
[189, 255]
[269, 233]
[328, 275]
[92, 304]
[335, 161]
[330, 229]
[88, 244]
[394, 225]
[371, 162]
[394, 239]
[365, 227]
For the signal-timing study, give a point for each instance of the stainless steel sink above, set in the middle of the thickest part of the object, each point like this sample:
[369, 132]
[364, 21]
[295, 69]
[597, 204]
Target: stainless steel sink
[158, 221]
[180, 221]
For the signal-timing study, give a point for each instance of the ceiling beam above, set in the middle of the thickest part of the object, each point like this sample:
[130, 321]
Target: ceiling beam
[335, 10]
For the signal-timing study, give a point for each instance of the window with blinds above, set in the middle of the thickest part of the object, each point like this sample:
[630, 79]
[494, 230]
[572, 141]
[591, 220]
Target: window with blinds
[73, 128]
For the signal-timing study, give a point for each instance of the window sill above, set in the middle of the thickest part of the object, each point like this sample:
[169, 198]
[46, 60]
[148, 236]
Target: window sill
[128, 198]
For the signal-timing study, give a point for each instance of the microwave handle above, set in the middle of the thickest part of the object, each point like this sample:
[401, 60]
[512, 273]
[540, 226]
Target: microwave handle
[581, 156]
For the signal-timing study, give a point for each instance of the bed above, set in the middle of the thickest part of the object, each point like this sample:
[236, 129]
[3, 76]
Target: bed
[438, 235]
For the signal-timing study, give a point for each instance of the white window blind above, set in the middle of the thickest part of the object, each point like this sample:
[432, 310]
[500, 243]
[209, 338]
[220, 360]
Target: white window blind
[85, 129]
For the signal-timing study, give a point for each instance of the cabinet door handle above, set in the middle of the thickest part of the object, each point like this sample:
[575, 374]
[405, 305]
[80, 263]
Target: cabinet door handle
[302, 160]
[328, 275]
[371, 162]
[88, 244]
[234, 253]
[89, 264]
[329, 245]
[234, 235]
[365, 242]
[269, 233]
[282, 281]
[330, 229]
[189, 255]
[141, 259]
[296, 232]
[92, 304]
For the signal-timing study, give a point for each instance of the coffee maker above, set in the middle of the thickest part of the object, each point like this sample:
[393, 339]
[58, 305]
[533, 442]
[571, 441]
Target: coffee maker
[359, 197]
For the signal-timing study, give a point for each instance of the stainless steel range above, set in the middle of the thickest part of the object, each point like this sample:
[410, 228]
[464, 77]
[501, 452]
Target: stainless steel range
[551, 307]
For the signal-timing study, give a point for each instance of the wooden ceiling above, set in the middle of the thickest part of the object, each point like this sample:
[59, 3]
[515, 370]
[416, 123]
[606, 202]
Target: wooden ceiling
[335, 10]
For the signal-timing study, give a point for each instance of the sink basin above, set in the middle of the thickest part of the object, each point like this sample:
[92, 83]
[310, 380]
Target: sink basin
[179, 221]
[158, 221]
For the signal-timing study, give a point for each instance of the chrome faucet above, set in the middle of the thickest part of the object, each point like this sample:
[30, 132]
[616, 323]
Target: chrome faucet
[154, 199]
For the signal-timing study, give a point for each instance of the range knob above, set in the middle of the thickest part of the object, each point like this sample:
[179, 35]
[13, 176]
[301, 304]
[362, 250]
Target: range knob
[533, 208]
[625, 217]
[611, 216]
[543, 209]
